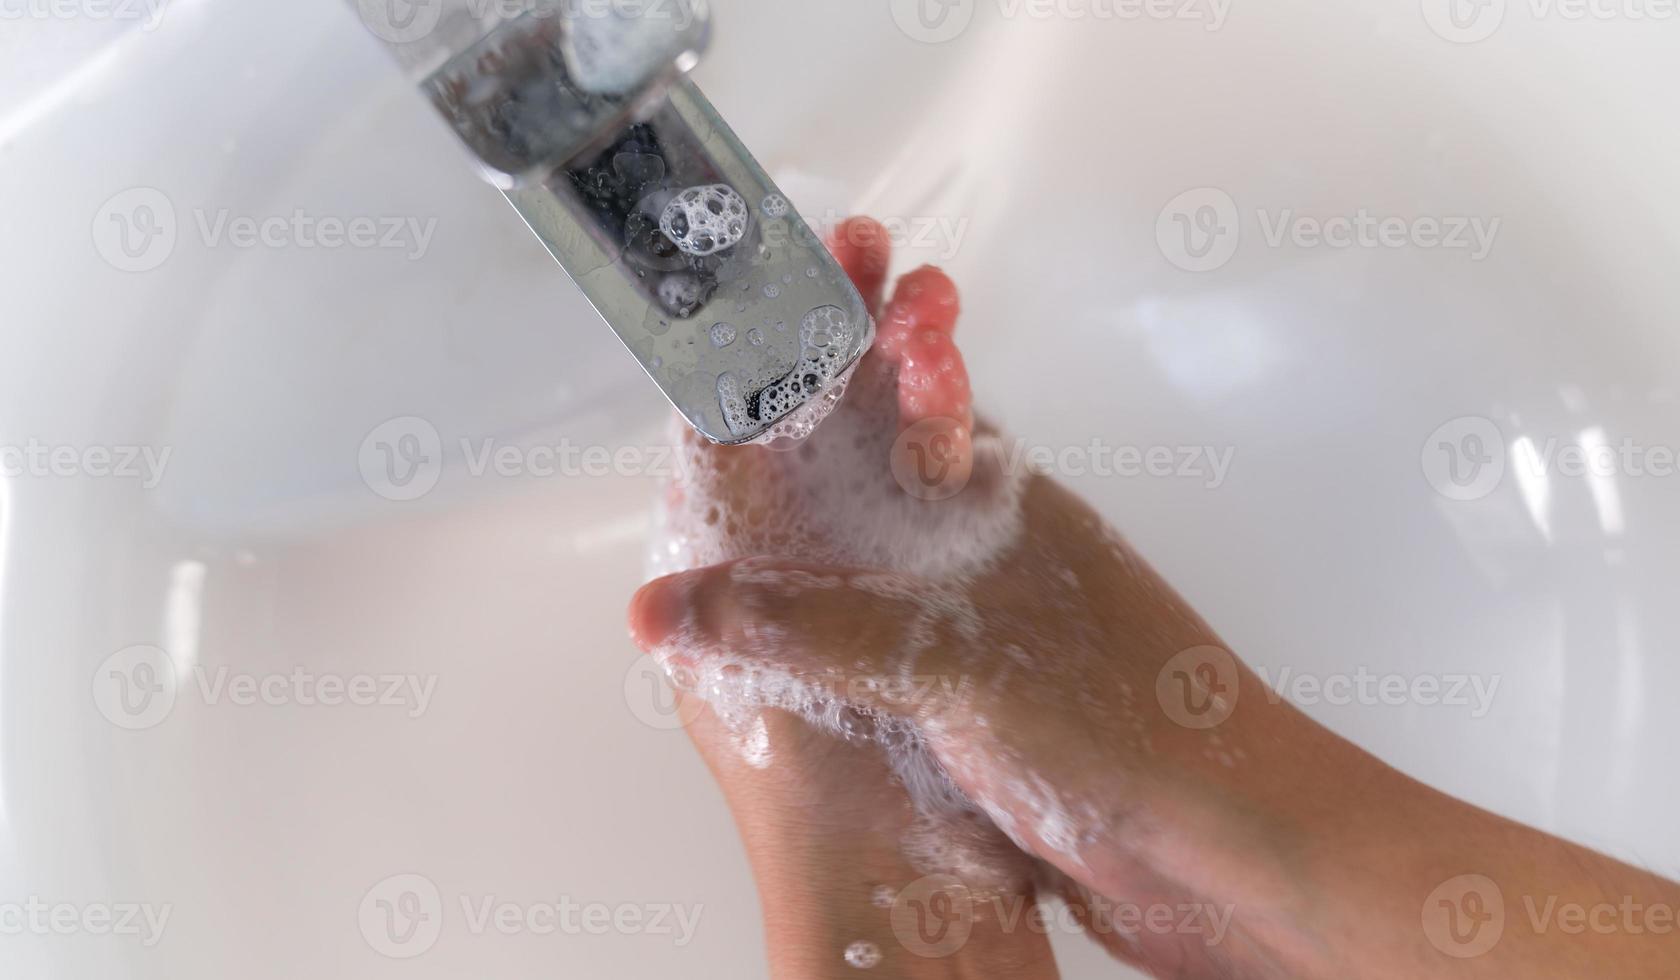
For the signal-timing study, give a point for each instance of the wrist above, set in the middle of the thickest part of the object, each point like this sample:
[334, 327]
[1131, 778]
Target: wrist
[871, 902]
[827, 834]
[1259, 840]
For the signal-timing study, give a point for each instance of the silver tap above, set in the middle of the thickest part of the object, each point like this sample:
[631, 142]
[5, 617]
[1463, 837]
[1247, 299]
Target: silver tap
[580, 111]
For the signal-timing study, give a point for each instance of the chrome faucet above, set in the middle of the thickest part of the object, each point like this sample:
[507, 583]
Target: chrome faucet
[580, 111]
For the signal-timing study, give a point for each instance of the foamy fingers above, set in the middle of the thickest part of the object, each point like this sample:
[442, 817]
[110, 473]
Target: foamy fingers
[861, 638]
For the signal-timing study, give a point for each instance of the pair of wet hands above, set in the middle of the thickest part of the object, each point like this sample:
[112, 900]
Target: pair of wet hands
[966, 619]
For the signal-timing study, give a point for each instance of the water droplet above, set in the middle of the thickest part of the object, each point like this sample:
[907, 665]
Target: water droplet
[771, 290]
[723, 334]
[774, 206]
[863, 954]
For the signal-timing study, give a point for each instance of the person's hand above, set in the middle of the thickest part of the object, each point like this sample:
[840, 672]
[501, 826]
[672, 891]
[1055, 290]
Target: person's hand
[829, 827]
[892, 581]
[1032, 638]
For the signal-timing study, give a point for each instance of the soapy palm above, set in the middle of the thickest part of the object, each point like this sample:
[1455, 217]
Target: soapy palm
[981, 627]
[739, 502]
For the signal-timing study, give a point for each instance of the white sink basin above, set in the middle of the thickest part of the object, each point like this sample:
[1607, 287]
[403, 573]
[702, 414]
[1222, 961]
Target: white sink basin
[1036, 159]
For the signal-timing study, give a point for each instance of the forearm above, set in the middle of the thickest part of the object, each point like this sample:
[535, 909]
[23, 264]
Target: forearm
[819, 904]
[1335, 865]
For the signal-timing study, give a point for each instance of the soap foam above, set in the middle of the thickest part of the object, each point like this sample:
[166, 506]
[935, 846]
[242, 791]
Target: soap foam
[704, 220]
[833, 500]
[825, 338]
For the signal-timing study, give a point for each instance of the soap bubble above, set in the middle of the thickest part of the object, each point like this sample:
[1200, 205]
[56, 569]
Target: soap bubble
[825, 335]
[705, 220]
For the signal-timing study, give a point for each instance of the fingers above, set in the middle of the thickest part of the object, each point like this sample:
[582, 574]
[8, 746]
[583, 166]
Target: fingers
[853, 637]
[935, 403]
[914, 337]
[916, 328]
[925, 299]
[917, 331]
[933, 381]
[864, 251]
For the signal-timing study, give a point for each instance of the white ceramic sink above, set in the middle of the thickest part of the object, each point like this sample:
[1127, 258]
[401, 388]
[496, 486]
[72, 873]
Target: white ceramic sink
[1040, 160]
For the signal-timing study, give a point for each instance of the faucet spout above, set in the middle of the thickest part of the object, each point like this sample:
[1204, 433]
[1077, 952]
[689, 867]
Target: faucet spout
[581, 113]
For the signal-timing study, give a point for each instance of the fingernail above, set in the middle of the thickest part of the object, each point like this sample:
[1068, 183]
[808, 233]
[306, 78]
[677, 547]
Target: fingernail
[658, 610]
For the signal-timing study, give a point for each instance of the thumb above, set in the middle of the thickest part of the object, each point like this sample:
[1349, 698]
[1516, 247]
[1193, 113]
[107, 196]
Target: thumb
[870, 639]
